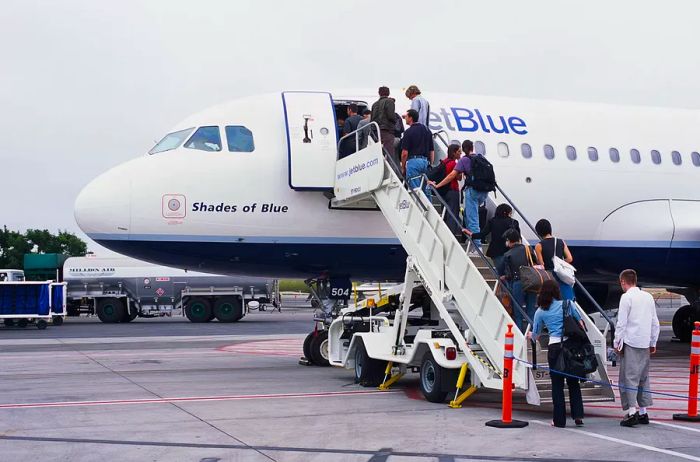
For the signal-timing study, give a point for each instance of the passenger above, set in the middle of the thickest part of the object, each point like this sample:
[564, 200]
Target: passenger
[636, 334]
[497, 227]
[550, 314]
[545, 252]
[371, 130]
[417, 151]
[350, 125]
[450, 191]
[419, 103]
[383, 111]
[398, 133]
[473, 195]
[518, 255]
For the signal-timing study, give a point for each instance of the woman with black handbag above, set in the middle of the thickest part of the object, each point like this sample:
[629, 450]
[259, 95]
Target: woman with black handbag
[550, 314]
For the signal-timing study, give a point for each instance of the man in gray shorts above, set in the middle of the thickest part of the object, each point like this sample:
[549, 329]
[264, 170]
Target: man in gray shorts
[636, 333]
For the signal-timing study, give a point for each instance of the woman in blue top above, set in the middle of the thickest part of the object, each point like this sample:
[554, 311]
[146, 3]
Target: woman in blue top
[550, 315]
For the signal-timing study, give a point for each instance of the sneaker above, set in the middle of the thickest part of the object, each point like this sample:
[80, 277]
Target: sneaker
[642, 418]
[629, 421]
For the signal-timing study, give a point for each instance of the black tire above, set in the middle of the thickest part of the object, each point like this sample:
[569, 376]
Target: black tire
[110, 310]
[431, 377]
[198, 310]
[307, 346]
[130, 315]
[22, 323]
[41, 324]
[57, 320]
[683, 321]
[368, 372]
[228, 309]
[318, 348]
[8, 322]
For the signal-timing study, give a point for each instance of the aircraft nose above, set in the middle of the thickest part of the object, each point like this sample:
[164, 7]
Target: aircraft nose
[103, 207]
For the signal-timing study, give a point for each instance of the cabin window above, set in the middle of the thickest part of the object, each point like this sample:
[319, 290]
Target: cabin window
[205, 139]
[480, 148]
[656, 156]
[526, 150]
[549, 151]
[695, 158]
[571, 153]
[676, 158]
[239, 139]
[593, 154]
[171, 141]
[635, 156]
[503, 150]
[614, 155]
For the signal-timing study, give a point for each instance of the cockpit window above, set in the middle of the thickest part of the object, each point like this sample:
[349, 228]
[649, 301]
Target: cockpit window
[239, 139]
[171, 141]
[205, 139]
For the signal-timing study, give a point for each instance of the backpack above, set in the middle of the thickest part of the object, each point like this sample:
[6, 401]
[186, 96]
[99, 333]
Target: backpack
[437, 174]
[482, 176]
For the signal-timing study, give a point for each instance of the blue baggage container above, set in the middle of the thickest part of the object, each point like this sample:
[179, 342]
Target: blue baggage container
[26, 301]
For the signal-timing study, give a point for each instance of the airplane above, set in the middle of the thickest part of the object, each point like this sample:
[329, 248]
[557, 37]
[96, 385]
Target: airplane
[224, 191]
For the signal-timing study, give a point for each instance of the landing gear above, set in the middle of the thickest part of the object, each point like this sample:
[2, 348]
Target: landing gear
[683, 321]
[328, 297]
[685, 317]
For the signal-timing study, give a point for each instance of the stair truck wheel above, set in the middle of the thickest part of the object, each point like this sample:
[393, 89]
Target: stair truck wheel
[319, 349]
[368, 372]
[431, 377]
[110, 310]
[41, 324]
[57, 320]
[228, 309]
[683, 322]
[307, 346]
[198, 310]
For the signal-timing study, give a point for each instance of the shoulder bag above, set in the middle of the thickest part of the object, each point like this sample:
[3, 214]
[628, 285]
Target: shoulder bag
[533, 276]
[564, 271]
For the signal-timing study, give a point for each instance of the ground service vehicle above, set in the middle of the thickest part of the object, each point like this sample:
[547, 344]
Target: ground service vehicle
[120, 289]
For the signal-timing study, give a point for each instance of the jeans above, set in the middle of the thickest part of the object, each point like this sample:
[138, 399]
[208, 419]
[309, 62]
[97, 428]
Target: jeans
[452, 200]
[526, 301]
[575, 400]
[415, 167]
[498, 264]
[567, 291]
[472, 200]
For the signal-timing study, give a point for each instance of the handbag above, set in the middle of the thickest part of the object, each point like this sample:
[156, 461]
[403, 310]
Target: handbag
[577, 355]
[572, 329]
[564, 271]
[533, 276]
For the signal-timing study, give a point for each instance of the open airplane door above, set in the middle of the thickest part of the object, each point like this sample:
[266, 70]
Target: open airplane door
[312, 139]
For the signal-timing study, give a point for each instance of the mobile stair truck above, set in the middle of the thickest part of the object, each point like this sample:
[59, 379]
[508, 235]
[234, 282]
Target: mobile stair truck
[22, 302]
[468, 321]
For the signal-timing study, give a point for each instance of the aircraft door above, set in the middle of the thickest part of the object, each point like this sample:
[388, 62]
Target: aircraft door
[311, 139]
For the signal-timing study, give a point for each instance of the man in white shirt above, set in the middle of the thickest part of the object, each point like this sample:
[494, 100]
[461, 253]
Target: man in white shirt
[419, 103]
[636, 333]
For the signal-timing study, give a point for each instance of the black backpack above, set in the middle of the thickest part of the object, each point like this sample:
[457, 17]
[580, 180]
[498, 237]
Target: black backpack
[482, 178]
[437, 174]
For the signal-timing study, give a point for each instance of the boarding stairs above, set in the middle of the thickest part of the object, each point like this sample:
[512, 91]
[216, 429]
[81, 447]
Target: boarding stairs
[459, 279]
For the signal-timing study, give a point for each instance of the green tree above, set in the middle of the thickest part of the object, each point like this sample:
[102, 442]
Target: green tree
[13, 245]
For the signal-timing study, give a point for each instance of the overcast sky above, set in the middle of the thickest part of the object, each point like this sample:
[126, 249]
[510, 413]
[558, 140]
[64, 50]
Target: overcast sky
[88, 84]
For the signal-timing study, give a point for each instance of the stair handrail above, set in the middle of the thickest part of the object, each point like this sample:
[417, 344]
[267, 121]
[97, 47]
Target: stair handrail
[599, 309]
